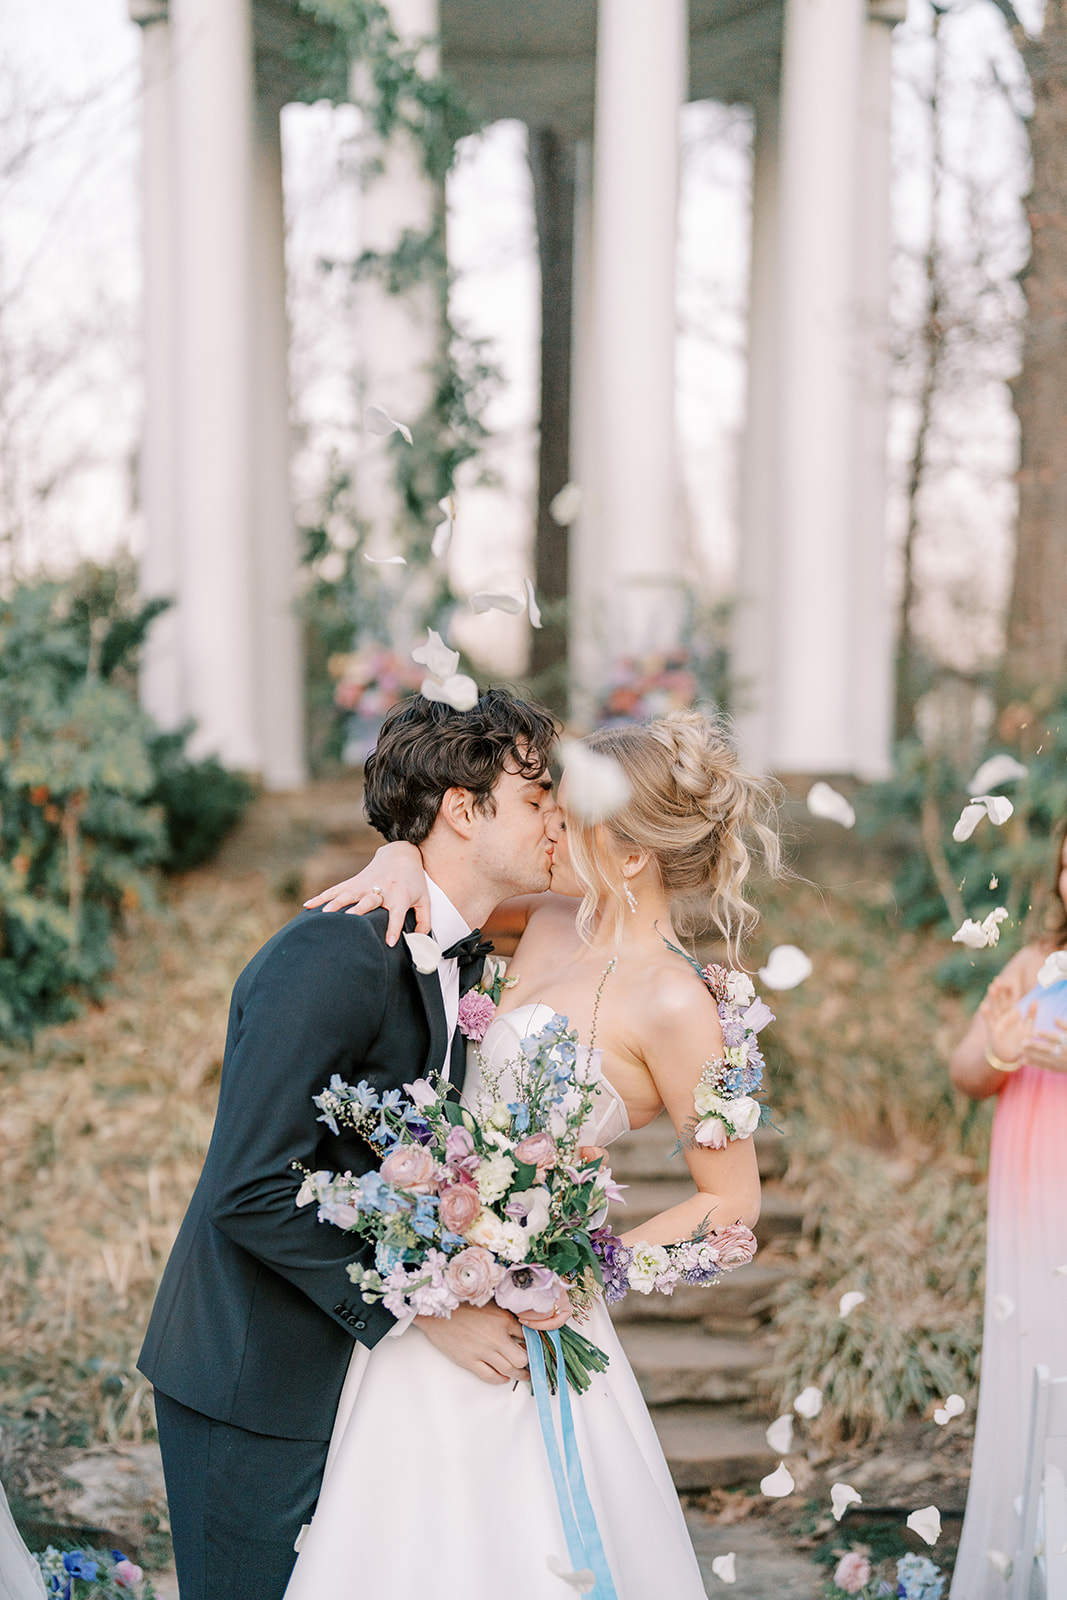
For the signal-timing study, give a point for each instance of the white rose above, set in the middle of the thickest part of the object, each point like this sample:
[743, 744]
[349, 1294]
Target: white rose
[708, 1101]
[488, 1231]
[494, 1178]
[500, 1117]
[649, 1260]
[739, 988]
[744, 1113]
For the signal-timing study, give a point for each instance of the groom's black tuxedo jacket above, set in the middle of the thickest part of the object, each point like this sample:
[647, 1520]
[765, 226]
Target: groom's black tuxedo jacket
[255, 1316]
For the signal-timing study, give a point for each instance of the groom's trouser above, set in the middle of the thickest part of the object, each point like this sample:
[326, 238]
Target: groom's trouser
[237, 1502]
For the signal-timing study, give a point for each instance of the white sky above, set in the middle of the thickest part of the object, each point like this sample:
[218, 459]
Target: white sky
[69, 284]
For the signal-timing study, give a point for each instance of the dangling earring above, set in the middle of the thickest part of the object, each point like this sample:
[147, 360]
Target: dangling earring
[631, 900]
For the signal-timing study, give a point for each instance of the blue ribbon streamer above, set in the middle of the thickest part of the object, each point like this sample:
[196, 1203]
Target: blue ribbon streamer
[584, 1544]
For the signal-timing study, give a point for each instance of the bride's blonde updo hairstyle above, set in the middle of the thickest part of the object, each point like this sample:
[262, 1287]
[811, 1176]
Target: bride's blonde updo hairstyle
[693, 810]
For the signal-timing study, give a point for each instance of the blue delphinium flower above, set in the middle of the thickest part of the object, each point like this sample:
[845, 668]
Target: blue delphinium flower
[918, 1579]
[79, 1565]
[520, 1118]
[424, 1217]
[387, 1256]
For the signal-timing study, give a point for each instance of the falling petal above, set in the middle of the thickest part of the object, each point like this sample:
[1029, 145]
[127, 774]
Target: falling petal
[826, 802]
[787, 965]
[724, 1567]
[425, 952]
[849, 1302]
[498, 600]
[808, 1402]
[1060, 1272]
[386, 561]
[778, 1483]
[941, 1416]
[597, 787]
[1002, 1564]
[532, 607]
[843, 1495]
[968, 820]
[436, 657]
[457, 691]
[992, 773]
[980, 935]
[1054, 969]
[442, 534]
[926, 1523]
[1003, 1307]
[997, 805]
[780, 1435]
[994, 881]
[955, 1405]
[564, 507]
[582, 1582]
[377, 420]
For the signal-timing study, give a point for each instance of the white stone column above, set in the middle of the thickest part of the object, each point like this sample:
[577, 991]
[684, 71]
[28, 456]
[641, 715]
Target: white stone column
[161, 685]
[212, 87]
[812, 698]
[587, 643]
[278, 654]
[757, 596]
[872, 641]
[641, 81]
[398, 334]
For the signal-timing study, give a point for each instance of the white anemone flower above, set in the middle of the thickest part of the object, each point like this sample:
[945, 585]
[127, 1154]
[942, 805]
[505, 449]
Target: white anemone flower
[808, 1402]
[980, 935]
[377, 420]
[787, 965]
[1054, 969]
[849, 1301]
[442, 534]
[425, 952]
[823, 801]
[778, 1483]
[724, 1567]
[843, 1495]
[597, 787]
[996, 771]
[926, 1523]
[994, 806]
[564, 507]
[780, 1434]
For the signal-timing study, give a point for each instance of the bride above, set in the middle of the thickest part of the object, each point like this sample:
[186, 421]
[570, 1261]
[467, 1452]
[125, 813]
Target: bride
[436, 1481]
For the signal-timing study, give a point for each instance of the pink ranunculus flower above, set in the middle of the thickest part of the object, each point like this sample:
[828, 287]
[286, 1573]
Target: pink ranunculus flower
[127, 1573]
[476, 1012]
[853, 1572]
[460, 1204]
[409, 1167]
[472, 1275]
[527, 1288]
[538, 1150]
[735, 1244]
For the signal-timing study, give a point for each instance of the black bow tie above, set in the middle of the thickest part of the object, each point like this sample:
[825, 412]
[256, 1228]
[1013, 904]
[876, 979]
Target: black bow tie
[468, 949]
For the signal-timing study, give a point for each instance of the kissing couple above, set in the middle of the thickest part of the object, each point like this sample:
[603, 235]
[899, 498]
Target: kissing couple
[404, 1460]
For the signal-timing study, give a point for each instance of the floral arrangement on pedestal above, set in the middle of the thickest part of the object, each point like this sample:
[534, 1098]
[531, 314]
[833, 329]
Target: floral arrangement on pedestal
[368, 682]
[648, 686]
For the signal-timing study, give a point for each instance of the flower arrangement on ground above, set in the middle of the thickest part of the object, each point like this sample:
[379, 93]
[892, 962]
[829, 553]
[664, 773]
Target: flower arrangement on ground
[916, 1578]
[92, 1575]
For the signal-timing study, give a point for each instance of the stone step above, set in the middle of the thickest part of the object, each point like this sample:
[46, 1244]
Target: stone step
[713, 1447]
[740, 1299]
[781, 1212]
[682, 1363]
[647, 1153]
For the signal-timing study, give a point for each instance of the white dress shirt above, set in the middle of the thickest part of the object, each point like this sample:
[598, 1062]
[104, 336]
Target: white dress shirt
[447, 926]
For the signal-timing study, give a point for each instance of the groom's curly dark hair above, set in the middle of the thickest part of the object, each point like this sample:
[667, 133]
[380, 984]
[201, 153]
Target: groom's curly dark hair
[426, 747]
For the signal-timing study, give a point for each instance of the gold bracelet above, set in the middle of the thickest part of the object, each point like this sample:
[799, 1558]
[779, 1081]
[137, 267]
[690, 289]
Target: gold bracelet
[1001, 1066]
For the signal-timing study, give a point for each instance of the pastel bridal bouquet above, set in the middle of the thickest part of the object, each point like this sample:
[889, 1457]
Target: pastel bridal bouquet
[466, 1208]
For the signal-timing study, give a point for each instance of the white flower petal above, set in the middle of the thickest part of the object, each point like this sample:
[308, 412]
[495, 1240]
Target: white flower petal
[998, 807]
[941, 1416]
[1060, 1272]
[1054, 969]
[533, 609]
[442, 534]
[980, 935]
[787, 965]
[826, 802]
[386, 561]
[926, 1523]
[425, 952]
[808, 1402]
[778, 1483]
[582, 1582]
[968, 820]
[994, 772]
[1003, 1307]
[849, 1301]
[436, 657]
[377, 420]
[564, 507]
[457, 691]
[780, 1435]
[955, 1405]
[597, 787]
[1001, 1563]
[843, 1495]
[497, 600]
[724, 1567]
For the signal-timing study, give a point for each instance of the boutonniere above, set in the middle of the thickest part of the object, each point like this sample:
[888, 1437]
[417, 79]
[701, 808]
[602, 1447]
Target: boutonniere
[477, 1008]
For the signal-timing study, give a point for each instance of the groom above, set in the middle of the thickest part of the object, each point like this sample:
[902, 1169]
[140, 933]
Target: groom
[253, 1325]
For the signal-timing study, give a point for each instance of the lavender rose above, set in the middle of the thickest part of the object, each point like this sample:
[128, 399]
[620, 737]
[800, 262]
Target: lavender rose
[472, 1275]
[460, 1204]
[409, 1167]
[736, 1245]
[526, 1288]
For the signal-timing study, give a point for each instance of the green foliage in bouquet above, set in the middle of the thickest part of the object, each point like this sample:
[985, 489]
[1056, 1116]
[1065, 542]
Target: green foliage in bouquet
[92, 796]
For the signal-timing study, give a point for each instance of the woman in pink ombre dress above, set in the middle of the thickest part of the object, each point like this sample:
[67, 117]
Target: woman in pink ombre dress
[1016, 1048]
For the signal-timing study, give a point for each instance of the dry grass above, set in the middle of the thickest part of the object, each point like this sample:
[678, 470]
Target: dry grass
[103, 1130]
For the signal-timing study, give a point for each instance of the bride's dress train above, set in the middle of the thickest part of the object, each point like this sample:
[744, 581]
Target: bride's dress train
[438, 1484]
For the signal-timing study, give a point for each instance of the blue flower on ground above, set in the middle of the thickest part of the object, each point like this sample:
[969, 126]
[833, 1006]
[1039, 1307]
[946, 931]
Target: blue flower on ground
[79, 1565]
[918, 1579]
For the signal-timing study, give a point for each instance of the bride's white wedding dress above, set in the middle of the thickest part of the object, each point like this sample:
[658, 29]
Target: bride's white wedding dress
[438, 1484]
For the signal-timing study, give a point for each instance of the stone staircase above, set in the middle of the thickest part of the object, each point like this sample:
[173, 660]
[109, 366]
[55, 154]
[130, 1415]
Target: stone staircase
[696, 1354]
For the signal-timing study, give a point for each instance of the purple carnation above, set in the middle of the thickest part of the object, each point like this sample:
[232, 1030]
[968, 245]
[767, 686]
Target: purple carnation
[476, 1012]
[615, 1258]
